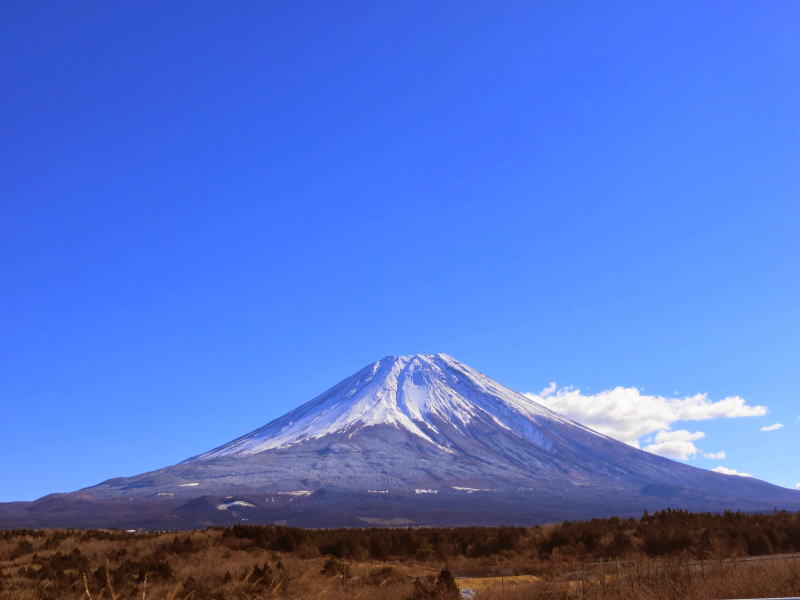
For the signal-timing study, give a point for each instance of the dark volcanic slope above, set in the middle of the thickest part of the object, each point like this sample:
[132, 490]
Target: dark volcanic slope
[407, 440]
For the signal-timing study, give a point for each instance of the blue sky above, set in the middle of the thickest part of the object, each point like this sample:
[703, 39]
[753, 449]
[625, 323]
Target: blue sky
[212, 212]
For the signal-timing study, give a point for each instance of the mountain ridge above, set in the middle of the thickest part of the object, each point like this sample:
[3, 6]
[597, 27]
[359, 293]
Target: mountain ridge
[421, 438]
[384, 392]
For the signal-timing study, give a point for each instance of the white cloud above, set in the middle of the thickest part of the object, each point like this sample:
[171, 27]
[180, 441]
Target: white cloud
[727, 471]
[715, 455]
[797, 486]
[627, 414]
[676, 444]
[773, 427]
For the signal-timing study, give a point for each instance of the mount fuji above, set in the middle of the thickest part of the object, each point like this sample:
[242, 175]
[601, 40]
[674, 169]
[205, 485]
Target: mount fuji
[407, 440]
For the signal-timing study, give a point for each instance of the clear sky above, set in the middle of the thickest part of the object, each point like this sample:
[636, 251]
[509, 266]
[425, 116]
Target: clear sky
[210, 212]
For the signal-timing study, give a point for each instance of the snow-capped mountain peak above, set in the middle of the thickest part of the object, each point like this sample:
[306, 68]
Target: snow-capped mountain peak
[423, 438]
[421, 394]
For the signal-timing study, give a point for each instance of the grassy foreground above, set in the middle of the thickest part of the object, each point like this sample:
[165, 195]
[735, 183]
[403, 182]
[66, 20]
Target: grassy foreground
[668, 555]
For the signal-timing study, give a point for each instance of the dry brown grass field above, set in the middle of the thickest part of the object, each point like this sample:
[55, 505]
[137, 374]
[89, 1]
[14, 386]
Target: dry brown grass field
[670, 555]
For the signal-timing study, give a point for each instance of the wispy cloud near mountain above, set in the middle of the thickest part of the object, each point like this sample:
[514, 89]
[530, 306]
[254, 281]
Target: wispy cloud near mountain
[676, 444]
[773, 427]
[628, 414]
[715, 455]
[727, 471]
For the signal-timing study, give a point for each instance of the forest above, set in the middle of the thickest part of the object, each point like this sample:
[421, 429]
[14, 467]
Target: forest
[667, 554]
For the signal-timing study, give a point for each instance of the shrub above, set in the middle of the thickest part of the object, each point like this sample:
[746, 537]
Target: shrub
[441, 587]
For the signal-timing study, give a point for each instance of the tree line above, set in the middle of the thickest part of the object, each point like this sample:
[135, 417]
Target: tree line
[663, 533]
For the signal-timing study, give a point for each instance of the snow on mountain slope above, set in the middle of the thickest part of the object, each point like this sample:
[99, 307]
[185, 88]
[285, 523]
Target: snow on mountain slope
[417, 393]
[423, 438]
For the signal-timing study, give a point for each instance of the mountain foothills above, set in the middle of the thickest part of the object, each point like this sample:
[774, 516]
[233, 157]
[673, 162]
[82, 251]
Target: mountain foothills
[406, 441]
